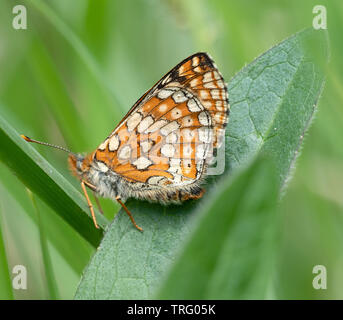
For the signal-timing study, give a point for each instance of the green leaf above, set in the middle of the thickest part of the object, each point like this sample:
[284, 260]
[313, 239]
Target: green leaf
[273, 101]
[128, 263]
[229, 254]
[41, 178]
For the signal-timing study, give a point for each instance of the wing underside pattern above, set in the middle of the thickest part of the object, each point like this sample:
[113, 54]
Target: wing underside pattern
[169, 135]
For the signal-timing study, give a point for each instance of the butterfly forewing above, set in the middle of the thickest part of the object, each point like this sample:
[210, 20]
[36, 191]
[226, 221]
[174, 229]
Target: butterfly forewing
[169, 135]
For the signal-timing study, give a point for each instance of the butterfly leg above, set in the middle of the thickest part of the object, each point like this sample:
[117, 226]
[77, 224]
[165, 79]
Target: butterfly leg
[93, 188]
[83, 185]
[128, 213]
[98, 203]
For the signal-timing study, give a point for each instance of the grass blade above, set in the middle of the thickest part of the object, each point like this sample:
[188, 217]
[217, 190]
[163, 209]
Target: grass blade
[59, 234]
[48, 184]
[6, 292]
[78, 46]
[48, 270]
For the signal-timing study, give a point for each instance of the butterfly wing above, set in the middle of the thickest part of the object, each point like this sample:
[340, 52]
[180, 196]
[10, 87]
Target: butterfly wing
[169, 135]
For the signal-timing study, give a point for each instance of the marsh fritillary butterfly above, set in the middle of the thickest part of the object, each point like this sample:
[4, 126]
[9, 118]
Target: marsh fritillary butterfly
[161, 149]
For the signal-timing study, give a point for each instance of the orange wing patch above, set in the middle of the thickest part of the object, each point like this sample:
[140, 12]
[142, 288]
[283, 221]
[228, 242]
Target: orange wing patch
[169, 134]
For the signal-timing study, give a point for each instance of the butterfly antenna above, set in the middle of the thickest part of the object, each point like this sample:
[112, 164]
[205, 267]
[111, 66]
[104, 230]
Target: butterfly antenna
[26, 138]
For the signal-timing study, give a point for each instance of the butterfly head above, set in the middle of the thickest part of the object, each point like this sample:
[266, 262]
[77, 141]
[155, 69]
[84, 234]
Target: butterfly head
[75, 164]
[79, 164]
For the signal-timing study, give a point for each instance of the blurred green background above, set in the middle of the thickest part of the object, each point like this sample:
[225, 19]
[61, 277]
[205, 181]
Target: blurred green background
[80, 65]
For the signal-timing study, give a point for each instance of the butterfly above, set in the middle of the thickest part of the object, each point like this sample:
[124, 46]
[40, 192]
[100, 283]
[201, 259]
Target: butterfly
[161, 149]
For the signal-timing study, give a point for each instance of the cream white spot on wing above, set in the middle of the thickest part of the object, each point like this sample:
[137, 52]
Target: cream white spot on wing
[172, 138]
[133, 121]
[142, 163]
[201, 151]
[103, 145]
[219, 105]
[163, 94]
[220, 84]
[175, 166]
[146, 145]
[157, 125]
[207, 104]
[187, 150]
[156, 180]
[204, 94]
[195, 82]
[210, 85]
[208, 77]
[114, 143]
[205, 134]
[168, 150]
[188, 135]
[178, 178]
[174, 162]
[102, 167]
[204, 118]
[125, 152]
[163, 107]
[215, 93]
[170, 127]
[179, 97]
[216, 75]
[174, 84]
[193, 106]
[145, 124]
[195, 61]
